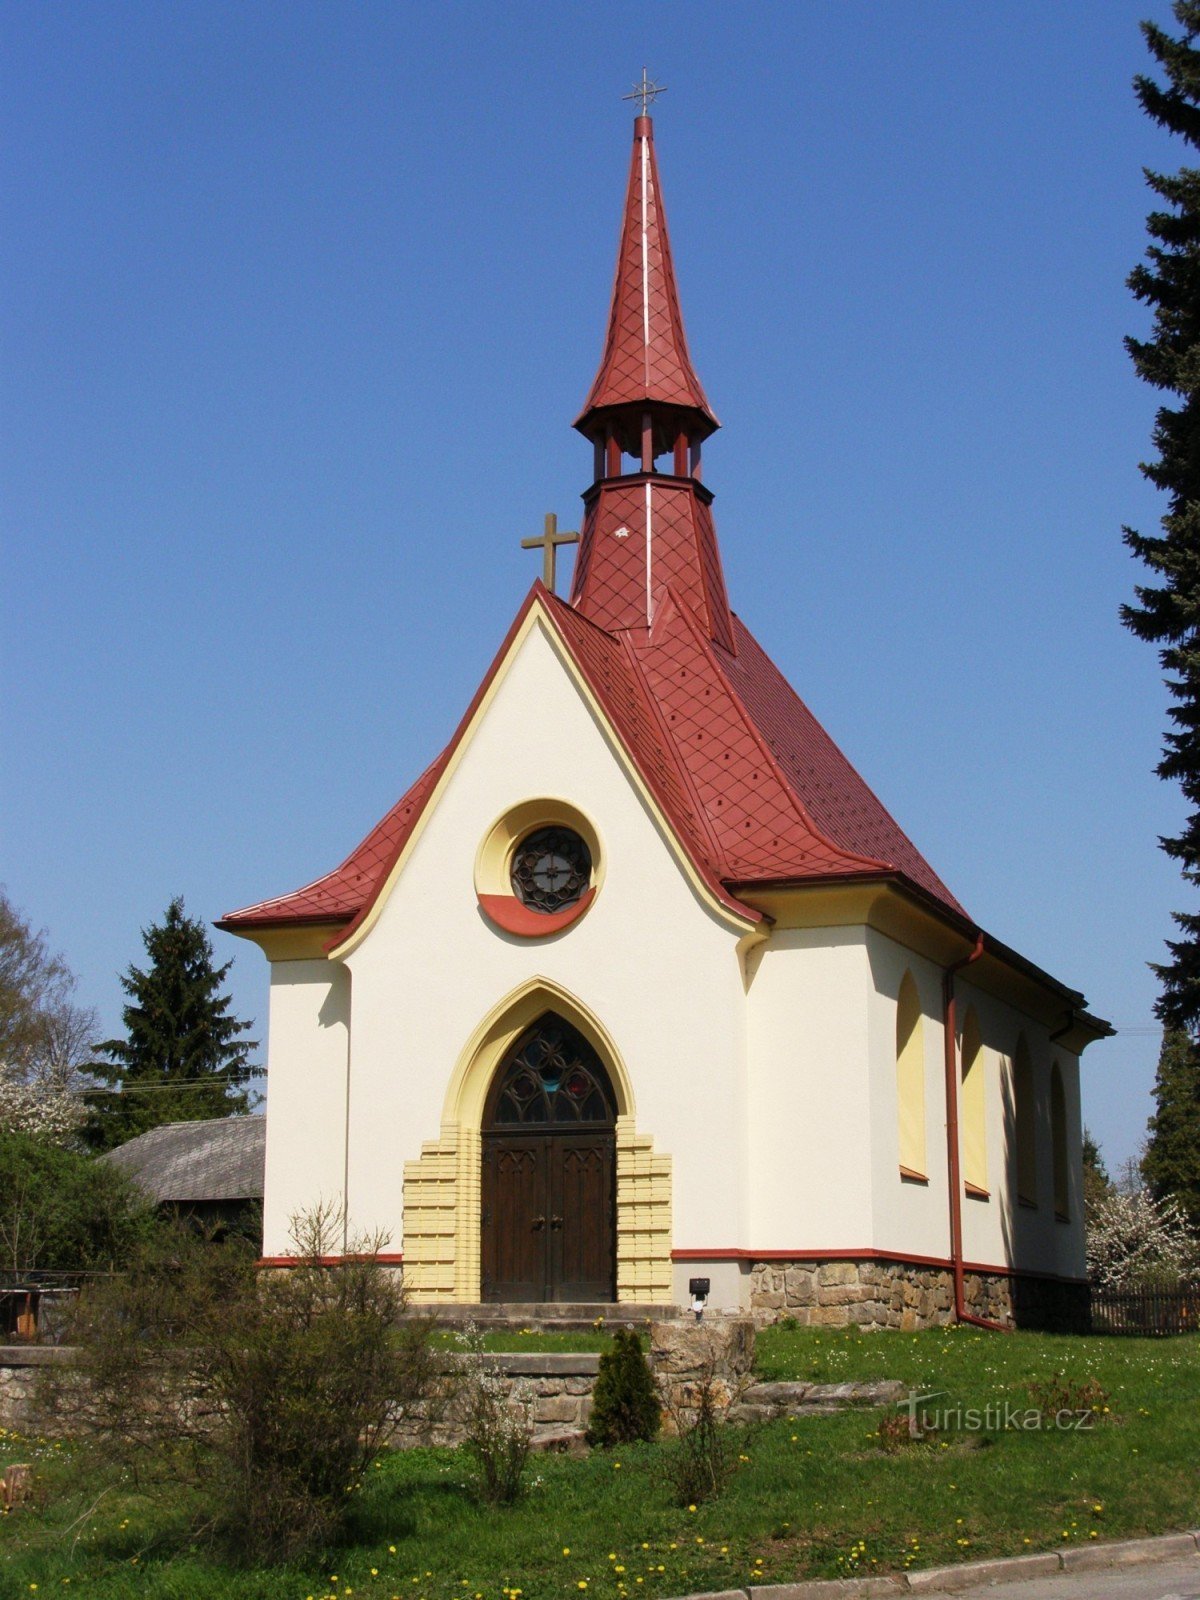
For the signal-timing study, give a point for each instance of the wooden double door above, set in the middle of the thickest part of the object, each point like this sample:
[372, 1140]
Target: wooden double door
[549, 1172]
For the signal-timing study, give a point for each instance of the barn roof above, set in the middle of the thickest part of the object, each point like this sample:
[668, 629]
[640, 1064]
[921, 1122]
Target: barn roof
[220, 1159]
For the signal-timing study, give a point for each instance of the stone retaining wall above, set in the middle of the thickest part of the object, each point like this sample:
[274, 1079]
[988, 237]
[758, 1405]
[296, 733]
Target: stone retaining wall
[904, 1295]
[19, 1369]
[557, 1388]
[556, 1385]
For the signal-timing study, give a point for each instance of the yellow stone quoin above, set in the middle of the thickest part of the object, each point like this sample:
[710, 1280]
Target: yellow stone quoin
[443, 1187]
[442, 1204]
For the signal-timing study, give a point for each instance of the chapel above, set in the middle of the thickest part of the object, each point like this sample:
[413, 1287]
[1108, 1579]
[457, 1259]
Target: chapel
[638, 993]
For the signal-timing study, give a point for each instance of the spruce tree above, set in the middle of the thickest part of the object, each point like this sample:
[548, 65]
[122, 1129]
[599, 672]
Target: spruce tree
[1171, 1163]
[625, 1403]
[183, 1058]
[1168, 610]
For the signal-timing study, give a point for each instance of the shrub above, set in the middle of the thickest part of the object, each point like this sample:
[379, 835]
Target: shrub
[702, 1461]
[268, 1394]
[63, 1211]
[497, 1422]
[625, 1401]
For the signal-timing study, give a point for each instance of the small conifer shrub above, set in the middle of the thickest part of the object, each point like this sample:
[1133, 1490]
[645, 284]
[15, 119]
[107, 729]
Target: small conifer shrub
[625, 1403]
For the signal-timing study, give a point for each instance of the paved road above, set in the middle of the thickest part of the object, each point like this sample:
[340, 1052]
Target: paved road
[1167, 1580]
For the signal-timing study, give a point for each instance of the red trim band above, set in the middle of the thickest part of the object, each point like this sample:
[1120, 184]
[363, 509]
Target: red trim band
[509, 913]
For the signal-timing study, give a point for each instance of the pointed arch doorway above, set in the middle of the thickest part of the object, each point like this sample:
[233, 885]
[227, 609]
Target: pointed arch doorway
[549, 1171]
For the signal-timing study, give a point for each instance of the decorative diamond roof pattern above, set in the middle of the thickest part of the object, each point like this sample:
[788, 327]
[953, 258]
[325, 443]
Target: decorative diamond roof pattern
[610, 576]
[645, 350]
[684, 556]
[759, 828]
[714, 576]
[838, 800]
[340, 894]
[754, 788]
[611, 671]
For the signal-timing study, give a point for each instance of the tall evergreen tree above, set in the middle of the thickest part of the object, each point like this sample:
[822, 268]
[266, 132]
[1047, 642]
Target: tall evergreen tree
[1171, 1163]
[183, 1058]
[1168, 610]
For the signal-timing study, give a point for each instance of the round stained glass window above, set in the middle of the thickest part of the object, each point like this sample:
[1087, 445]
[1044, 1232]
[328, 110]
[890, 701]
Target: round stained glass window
[551, 869]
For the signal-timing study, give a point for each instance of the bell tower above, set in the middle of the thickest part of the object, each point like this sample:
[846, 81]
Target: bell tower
[648, 522]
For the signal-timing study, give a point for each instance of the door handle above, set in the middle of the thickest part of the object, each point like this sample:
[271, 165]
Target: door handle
[556, 1222]
[538, 1222]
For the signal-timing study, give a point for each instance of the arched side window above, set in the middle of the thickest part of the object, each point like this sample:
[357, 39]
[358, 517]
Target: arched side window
[1058, 1145]
[910, 1079]
[972, 1115]
[1025, 1119]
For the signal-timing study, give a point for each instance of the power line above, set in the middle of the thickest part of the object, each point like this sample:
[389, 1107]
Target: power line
[170, 1083]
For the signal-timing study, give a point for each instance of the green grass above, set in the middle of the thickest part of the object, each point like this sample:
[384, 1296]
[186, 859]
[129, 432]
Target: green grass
[525, 1341]
[817, 1497]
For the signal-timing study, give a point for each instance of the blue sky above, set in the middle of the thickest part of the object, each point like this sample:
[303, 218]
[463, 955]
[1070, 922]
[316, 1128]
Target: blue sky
[298, 301]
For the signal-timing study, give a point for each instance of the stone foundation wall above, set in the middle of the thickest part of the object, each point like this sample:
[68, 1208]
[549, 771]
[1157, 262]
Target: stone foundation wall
[898, 1294]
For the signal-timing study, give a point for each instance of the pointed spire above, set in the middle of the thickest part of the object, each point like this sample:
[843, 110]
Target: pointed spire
[646, 531]
[645, 353]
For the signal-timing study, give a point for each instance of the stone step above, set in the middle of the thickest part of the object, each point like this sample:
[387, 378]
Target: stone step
[550, 1316]
[765, 1402]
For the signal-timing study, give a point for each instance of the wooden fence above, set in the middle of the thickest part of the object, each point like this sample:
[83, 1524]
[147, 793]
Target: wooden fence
[1147, 1311]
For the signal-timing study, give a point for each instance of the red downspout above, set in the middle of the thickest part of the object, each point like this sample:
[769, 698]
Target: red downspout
[950, 1031]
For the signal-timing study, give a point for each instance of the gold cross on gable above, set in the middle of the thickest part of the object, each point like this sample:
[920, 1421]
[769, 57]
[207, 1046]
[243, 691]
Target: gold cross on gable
[548, 544]
[646, 92]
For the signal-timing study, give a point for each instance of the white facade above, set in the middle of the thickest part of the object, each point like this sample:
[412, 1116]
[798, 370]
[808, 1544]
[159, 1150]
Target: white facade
[759, 1073]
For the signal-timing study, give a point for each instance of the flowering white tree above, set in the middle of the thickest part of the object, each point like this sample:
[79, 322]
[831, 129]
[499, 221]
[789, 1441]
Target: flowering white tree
[45, 1038]
[1134, 1239]
[43, 1106]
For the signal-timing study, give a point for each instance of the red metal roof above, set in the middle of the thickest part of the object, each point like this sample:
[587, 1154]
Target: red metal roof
[640, 533]
[752, 786]
[837, 799]
[645, 350]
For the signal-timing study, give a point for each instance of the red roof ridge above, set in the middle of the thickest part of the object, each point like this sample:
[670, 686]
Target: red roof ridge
[559, 611]
[332, 897]
[537, 591]
[627, 643]
[775, 835]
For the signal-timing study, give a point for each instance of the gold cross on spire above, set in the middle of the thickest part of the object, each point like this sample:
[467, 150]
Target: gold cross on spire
[646, 92]
[548, 544]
